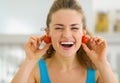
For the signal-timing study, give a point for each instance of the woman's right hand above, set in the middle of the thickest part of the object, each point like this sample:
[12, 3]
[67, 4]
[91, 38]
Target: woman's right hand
[33, 52]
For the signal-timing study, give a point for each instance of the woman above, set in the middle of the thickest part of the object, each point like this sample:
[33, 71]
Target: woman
[66, 59]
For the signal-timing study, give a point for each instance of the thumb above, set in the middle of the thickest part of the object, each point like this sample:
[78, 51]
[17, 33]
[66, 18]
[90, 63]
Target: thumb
[87, 50]
[90, 53]
[41, 52]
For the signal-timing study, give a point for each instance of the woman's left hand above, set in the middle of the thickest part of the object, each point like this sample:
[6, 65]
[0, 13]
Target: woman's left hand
[97, 53]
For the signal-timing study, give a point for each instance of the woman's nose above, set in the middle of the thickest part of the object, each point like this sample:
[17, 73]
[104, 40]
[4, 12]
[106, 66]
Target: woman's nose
[67, 33]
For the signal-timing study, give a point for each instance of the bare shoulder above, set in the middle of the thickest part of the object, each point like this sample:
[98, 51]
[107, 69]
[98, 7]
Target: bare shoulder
[98, 77]
[35, 75]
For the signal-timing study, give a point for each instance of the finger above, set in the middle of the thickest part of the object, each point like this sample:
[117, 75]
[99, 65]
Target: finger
[42, 51]
[41, 38]
[33, 42]
[102, 41]
[93, 44]
[87, 50]
[36, 39]
[30, 43]
[99, 40]
[90, 53]
[103, 44]
[33, 37]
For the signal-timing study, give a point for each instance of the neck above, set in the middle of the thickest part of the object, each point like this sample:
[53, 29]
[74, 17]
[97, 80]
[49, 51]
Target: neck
[66, 63]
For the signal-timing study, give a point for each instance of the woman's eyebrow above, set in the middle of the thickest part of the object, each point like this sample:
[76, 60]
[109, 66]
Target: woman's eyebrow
[58, 24]
[70, 25]
[74, 24]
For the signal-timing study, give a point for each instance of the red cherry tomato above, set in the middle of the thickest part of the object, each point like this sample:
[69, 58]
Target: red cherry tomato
[85, 39]
[46, 39]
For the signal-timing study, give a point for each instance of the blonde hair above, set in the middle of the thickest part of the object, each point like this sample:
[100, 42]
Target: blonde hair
[72, 5]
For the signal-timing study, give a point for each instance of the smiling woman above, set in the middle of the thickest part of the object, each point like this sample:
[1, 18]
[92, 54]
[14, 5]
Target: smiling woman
[66, 59]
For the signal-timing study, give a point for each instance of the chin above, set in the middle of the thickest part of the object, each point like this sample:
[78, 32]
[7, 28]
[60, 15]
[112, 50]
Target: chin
[67, 55]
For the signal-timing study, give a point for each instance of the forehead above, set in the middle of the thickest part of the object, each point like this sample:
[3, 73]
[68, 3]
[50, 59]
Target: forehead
[66, 16]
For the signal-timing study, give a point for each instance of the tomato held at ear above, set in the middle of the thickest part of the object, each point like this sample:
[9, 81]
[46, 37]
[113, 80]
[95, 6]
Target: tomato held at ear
[85, 39]
[46, 39]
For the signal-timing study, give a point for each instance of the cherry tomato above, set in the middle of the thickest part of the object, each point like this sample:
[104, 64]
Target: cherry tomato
[85, 39]
[46, 39]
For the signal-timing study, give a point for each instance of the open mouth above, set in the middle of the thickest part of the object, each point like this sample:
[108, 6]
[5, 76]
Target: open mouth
[67, 44]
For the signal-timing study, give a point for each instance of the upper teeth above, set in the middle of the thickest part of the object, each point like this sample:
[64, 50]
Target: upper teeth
[67, 43]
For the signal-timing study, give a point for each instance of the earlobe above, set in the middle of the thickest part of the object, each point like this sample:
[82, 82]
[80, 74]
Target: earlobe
[47, 31]
[84, 32]
[47, 38]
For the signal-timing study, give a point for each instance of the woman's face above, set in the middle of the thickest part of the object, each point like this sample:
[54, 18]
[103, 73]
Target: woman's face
[66, 30]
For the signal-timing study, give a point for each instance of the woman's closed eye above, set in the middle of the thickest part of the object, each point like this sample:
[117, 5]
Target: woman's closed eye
[58, 28]
[75, 28]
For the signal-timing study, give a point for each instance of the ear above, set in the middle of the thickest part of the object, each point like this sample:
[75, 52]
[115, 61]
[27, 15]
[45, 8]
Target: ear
[84, 32]
[47, 31]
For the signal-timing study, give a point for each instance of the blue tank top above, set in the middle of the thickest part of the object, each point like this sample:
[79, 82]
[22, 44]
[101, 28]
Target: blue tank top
[44, 77]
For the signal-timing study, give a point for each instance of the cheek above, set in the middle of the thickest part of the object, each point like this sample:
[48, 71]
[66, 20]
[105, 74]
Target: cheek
[55, 42]
[54, 35]
[79, 35]
[55, 38]
[79, 39]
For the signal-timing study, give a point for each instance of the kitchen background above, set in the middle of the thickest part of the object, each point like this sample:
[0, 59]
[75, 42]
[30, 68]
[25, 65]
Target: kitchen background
[21, 18]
